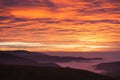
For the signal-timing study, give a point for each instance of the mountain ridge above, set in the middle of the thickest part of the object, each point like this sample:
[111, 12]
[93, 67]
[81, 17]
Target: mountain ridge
[41, 57]
[7, 58]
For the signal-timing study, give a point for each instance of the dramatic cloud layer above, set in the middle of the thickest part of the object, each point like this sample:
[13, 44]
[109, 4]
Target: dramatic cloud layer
[76, 25]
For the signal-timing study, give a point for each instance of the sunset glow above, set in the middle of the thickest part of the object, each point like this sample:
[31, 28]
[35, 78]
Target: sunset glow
[60, 25]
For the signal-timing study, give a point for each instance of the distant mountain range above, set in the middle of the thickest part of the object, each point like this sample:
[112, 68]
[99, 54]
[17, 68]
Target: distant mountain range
[44, 58]
[9, 57]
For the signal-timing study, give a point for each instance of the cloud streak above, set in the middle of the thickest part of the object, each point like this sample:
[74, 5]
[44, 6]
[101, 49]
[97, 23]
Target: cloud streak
[78, 22]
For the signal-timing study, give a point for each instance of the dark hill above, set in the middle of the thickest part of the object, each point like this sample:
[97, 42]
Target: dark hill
[15, 72]
[41, 57]
[7, 58]
[111, 69]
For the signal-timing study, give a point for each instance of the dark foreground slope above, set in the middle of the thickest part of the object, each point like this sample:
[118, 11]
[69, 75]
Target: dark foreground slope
[19, 72]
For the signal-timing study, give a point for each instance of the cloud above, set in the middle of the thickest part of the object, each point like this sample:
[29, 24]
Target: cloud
[26, 3]
[60, 21]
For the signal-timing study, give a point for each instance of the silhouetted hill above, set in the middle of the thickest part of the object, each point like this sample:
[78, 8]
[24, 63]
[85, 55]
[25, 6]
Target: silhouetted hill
[111, 69]
[7, 58]
[15, 72]
[40, 57]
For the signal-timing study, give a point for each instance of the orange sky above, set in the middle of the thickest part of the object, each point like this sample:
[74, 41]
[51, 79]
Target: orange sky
[60, 25]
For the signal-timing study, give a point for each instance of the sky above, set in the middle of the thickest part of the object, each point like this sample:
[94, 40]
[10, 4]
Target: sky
[60, 25]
